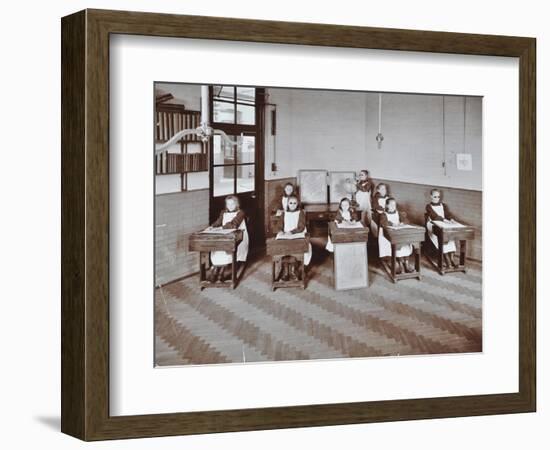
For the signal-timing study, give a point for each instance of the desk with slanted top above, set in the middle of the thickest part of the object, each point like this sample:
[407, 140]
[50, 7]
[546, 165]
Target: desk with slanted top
[320, 214]
[445, 234]
[204, 243]
[350, 264]
[397, 236]
[278, 249]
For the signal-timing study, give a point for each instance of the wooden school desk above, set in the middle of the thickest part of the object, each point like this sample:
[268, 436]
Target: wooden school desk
[204, 243]
[460, 233]
[350, 264]
[410, 234]
[322, 213]
[278, 249]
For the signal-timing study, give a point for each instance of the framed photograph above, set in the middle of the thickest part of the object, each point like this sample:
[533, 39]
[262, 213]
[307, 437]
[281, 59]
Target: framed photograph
[191, 268]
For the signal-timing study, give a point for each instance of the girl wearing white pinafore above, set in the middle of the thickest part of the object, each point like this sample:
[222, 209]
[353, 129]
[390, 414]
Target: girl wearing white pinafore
[384, 246]
[295, 222]
[391, 217]
[231, 219]
[365, 187]
[348, 214]
[378, 207]
[436, 210]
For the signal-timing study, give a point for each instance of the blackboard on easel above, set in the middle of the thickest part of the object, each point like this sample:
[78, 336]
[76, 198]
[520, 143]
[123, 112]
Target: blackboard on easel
[313, 186]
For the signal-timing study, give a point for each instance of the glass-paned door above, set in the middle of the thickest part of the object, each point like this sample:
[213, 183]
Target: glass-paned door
[238, 169]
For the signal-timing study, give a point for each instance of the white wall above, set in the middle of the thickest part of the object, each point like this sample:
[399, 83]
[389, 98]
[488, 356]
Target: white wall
[30, 333]
[336, 131]
[415, 146]
[316, 130]
[184, 93]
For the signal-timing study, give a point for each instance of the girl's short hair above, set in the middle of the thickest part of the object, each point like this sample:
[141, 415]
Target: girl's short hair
[435, 190]
[382, 184]
[235, 199]
[294, 189]
[390, 199]
[365, 171]
[295, 197]
[289, 184]
[342, 200]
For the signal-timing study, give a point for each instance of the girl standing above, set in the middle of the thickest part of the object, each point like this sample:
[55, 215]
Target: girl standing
[232, 217]
[365, 188]
[391, 217]
[293, 221]
[379, 205]
[436, 210]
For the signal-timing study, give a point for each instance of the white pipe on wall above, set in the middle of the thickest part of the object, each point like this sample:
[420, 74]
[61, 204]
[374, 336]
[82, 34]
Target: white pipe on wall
[205, 105]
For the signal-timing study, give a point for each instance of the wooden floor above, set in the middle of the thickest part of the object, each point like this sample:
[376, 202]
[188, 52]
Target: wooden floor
[440, 314]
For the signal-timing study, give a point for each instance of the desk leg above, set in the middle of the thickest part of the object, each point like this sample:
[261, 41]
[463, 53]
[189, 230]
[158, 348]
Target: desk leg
[367, 262]
[393, 251]
[234, 270]
[440, 255]
[463, 254]
[203, 258]
[273, 272]
[302, 272]
[417, 256]
[334, 265]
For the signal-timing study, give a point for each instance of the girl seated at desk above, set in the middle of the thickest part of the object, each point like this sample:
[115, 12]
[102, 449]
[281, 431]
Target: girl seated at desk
[345, 214]
[391, 217]
[379, 204]
[365, 188]
[436, 210]
[281, 206]
[232, 217]
[293, 221]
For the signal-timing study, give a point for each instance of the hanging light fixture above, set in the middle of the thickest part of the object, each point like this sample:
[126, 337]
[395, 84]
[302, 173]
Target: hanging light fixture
[379, 136]
[204, 131]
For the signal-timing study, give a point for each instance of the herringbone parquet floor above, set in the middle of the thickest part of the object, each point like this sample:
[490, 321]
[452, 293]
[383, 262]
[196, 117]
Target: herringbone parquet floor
[440, 314]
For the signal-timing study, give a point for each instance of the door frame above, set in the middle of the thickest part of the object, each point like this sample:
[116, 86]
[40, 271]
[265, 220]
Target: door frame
[259, 158]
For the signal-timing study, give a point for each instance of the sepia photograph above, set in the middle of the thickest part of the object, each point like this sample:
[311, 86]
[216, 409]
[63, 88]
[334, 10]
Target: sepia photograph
[297, 224]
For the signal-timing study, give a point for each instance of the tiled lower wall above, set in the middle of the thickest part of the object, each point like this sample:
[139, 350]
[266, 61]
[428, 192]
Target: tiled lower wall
[176, 217]
[465, 205]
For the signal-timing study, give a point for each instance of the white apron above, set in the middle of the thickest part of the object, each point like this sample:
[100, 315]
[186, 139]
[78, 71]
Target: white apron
[447, 247]
[384, 246]
[363, 200]
[373, 225]
[330, 246]
[291, 223]
[220, 258]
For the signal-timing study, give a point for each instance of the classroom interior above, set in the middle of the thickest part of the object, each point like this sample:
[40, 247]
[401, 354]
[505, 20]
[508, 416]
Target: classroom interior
[429, 141]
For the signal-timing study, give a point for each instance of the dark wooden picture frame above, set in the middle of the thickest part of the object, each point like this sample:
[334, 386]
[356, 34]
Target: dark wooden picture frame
[85, 224]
